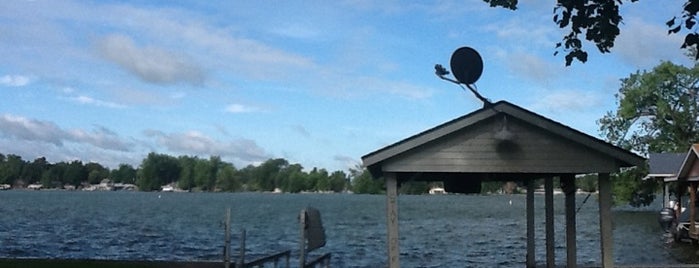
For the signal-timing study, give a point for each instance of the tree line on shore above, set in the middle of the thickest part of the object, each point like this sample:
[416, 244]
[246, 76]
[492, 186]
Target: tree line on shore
[200, 174]
[185, 172]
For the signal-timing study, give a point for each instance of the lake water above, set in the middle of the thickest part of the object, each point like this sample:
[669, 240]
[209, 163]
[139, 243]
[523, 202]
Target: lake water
[436, 231]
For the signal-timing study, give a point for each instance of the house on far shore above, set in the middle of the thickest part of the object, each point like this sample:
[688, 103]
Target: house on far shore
[35, 186]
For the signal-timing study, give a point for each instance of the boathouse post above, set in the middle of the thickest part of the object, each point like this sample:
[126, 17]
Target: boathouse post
[605, 219]
[392, 219]
[548, 203]
[569, 189]
[692, 208]
[531, 242]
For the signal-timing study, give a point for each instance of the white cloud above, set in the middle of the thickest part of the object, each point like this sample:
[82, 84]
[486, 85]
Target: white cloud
[14, 80]
[301, 130]
[567, 101]
[644, 44]
[196, 143]
[151, 64]
[26, 129]
[96, 102]
[237, 108]
[531, 67]
[22, 128]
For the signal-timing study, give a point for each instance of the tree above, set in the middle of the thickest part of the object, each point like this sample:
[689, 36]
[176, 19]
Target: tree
[124, 174]
[54, 174]
[265, 174]
[338, 181]
[157, 170]
[75, 173]
[11, 168]
[657, 112]
[228, 178]
[599, 21]
[364, 183]
[186, 179]
[32, 172]
[96, 172]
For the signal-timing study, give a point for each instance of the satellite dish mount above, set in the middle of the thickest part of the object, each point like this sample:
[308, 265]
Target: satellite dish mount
[466, 66]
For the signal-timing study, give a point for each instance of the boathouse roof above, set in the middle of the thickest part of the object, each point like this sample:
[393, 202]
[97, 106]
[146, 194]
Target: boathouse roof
[690, 166]
[503, 139]
[664, 165]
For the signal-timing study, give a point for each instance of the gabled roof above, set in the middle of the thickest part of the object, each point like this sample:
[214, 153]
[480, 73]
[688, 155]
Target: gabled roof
[688, 170]
[623, 157]
[664, 165]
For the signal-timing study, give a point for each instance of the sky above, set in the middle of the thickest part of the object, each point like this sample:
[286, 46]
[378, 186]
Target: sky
[318, 83]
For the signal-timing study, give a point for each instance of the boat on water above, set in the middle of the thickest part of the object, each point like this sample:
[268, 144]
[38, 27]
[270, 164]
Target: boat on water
[5, 187]
[678, 227]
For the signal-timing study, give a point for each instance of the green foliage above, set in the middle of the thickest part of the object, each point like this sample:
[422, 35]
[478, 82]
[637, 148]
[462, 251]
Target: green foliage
[228, 178]
[187, 172]
[587, 183]
[96, 173]
[364, 183]
[414, 187]
[489, 187]
[75, 173]
[599, 20]
[157, 170]
[125, 173]
[657, 112]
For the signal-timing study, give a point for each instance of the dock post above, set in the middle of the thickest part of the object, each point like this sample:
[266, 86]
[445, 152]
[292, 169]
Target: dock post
[531, 242]
[569, 189]
[550, 239]
[241, 257]
[227, 240]
[605, 220]
[392, 219]
[302, 243]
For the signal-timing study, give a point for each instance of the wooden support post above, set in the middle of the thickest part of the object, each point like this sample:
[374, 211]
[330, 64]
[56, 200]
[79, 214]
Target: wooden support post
[605, 220]
[666, 194]
[568, 187]
[392, 219]
[692, 209]
[679, 192]
[531, 242]
[550, 241]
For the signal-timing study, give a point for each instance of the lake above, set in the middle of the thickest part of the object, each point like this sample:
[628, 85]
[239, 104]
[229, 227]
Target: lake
[436, 231]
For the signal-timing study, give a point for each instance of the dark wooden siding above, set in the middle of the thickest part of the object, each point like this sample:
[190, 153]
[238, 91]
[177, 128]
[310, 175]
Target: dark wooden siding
[476, 150]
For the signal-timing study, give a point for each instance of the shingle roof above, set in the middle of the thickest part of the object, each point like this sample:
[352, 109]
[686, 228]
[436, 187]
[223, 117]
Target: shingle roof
[665, 164]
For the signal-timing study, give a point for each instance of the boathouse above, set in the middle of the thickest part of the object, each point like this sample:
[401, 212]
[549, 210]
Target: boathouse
[663, 167]
[689, 174]
[503, 141]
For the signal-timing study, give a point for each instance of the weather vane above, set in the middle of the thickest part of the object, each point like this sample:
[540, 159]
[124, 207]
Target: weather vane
[467, 66]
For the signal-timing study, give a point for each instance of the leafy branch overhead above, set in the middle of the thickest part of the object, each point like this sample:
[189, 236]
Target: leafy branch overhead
[598, 21]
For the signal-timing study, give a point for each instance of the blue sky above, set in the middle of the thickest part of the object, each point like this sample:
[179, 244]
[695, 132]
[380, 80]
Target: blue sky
[319, 83]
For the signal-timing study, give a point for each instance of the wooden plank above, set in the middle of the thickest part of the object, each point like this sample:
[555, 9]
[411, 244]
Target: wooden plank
[392, 219]
[477, 150]
[550, 242]
[605, 220]
[531, 242]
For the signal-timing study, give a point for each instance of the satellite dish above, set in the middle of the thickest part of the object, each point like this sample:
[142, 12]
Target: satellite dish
[466, 65]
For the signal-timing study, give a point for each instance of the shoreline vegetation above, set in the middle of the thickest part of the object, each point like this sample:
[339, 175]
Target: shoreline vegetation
[161, 172]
